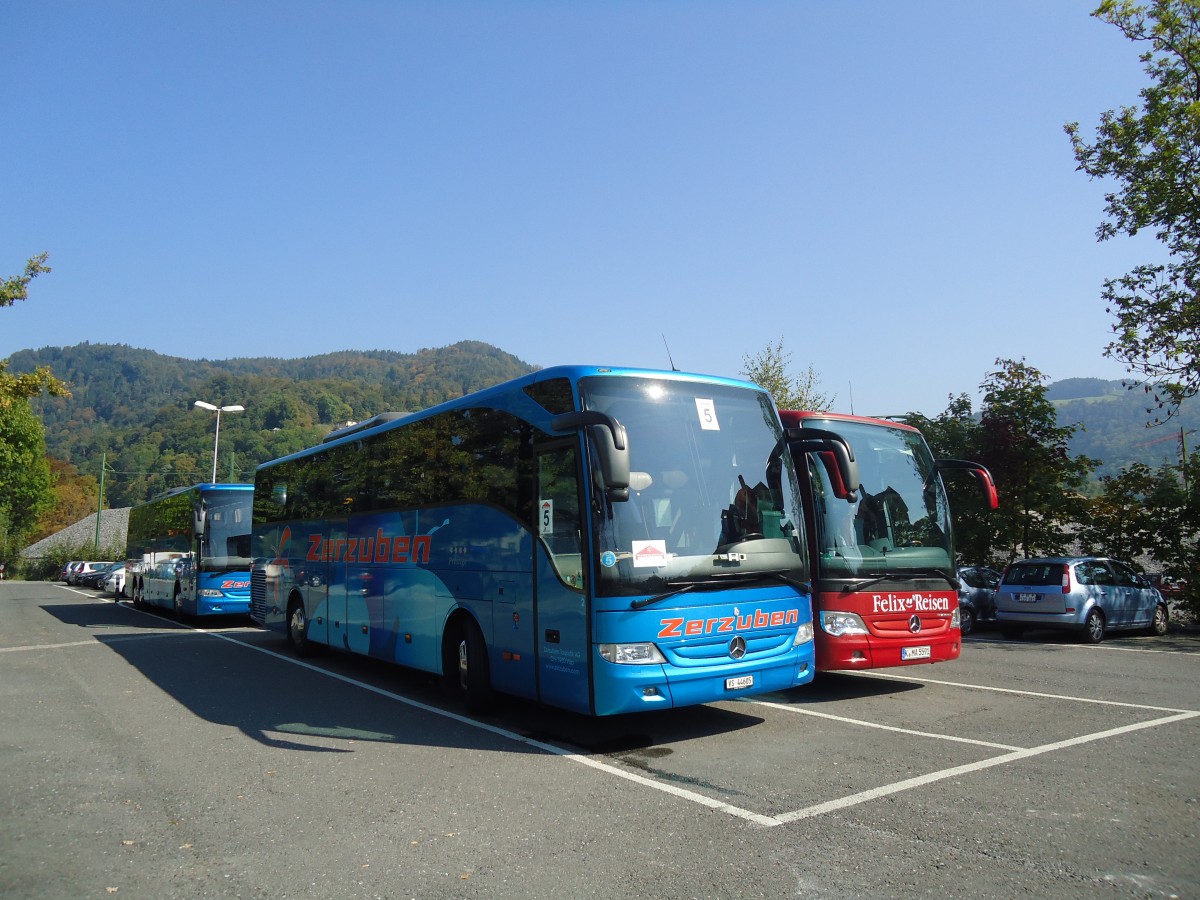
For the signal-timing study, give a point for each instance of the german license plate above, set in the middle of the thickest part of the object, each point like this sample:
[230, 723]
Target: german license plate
[914, 652]
[741, 681]
[1027, 598]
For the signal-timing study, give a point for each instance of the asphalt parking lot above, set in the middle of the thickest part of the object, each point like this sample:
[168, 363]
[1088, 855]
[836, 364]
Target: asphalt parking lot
[143, 758]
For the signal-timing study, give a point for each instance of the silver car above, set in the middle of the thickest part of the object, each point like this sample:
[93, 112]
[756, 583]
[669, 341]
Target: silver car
[1087, 594]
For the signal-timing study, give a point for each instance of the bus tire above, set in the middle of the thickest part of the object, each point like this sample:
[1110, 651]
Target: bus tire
[468, 666]
[297, 628]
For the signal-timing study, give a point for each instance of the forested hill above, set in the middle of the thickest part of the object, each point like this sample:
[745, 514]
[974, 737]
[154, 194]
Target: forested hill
[1116, 425]
[133, 408]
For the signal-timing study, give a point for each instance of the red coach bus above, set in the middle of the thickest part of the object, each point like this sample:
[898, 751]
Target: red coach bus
[882, 550]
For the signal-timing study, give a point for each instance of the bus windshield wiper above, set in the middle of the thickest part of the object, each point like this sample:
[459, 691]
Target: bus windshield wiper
[911, 575]
[723, 581]
[649, 601]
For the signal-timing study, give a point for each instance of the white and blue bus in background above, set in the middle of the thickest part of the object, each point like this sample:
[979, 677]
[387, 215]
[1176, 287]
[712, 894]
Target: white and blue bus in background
[600, 540]
[188, 550]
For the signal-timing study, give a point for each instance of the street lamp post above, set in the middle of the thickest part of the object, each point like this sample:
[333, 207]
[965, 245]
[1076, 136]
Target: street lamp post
[217, 440]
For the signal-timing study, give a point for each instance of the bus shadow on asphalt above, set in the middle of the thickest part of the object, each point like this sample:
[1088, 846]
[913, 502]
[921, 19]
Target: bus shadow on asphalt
[305, 711]
[115, 615]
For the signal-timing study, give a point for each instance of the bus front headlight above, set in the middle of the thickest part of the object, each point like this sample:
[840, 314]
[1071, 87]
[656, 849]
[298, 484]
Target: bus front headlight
[804, 634]
[632, 654]
[955, 619]
[841, 623]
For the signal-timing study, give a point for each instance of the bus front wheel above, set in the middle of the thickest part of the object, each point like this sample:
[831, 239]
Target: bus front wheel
[297, 628]
[466, 667]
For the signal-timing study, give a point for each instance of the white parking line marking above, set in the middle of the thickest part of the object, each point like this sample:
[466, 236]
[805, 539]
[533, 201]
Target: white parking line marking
[1096, 647]
[799, 710]
[719, 805]
[570, 755]
[96, 642]
[923, 780]
[88, 643]
[999, 690]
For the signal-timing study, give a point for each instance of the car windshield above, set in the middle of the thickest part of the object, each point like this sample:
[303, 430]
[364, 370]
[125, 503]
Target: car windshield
[712, 495]
[899, 520]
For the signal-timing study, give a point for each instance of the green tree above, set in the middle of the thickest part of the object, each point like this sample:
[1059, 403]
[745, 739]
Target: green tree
[958, 434]
[1152, 154]
[21, 387]
[25, 486]
[769, 370]
[1040, 484]
[1146, 512]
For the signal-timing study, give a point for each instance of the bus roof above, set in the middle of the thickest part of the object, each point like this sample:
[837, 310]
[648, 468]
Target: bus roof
[488, 397]
[794, 417]
[200, 488]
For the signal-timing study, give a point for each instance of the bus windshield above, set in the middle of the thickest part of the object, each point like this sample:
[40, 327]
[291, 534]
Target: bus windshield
[713, 499]
[226, 541]
[900, 520]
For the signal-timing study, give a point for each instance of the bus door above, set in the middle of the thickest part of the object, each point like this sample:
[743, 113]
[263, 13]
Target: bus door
[560, 598]
[361, 584]
[328, 619]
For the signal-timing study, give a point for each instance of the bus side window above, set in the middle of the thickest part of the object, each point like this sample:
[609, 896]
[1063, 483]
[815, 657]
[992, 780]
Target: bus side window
[558, 523]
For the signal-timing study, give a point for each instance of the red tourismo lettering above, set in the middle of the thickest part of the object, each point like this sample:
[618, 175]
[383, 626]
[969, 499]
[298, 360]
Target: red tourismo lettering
[379, 549]
[673, 628]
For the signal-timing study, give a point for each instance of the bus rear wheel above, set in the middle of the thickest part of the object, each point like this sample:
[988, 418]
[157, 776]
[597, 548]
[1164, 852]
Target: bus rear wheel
[466, 667]
[297, 628]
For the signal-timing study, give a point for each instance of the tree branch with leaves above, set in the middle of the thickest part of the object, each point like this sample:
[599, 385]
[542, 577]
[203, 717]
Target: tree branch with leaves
[1152, 154]
[22, 387]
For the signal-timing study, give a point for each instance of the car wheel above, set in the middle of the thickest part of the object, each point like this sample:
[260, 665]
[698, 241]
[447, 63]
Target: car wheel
[1159, 626]
[474, 680]
[1093, 626]
[966, 620]
[1011, 632]
[297, 628]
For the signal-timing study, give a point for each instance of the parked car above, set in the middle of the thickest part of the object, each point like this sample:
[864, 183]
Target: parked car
[98, 578]
[976, 596]
[67, 570]
[114, 582]
[91, 574]
[1088, 594]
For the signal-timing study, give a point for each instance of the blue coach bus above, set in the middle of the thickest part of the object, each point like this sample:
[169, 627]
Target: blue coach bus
[189, 550]
[600, 540]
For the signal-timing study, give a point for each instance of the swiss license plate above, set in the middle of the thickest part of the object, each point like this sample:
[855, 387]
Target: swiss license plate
[740, 682]
[1027, 598]
[914, 652]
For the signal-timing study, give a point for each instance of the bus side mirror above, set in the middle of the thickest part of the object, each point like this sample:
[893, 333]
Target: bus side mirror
[199, 519]
[987, 486]
[834, 452]
[612, 448]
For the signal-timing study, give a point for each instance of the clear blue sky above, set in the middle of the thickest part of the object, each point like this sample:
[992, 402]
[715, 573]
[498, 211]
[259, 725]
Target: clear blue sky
[886, 186]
